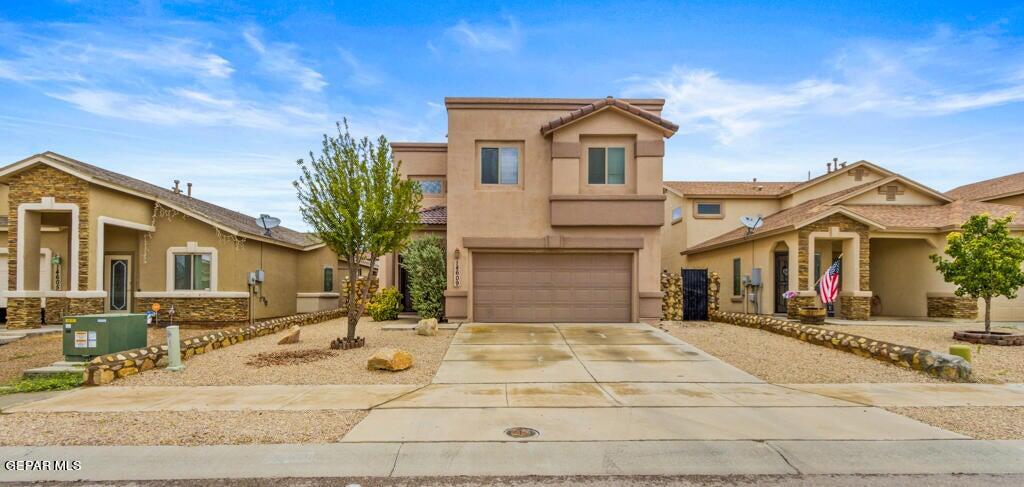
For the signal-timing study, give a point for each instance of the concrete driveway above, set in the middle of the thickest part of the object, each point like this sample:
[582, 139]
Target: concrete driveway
[609, 382]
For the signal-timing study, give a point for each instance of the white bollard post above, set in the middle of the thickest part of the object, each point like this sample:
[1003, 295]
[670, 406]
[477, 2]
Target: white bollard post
[174, 349]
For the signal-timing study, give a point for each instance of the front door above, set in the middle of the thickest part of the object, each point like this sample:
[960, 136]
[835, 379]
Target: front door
[781, 280]
[119, 283]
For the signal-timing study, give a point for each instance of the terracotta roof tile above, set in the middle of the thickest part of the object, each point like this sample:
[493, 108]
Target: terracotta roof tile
[731, 188]
[435, 215]
[604, 103]
[1004, 185]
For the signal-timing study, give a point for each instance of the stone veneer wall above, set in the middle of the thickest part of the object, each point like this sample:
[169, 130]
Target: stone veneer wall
[936, 364]
[952, 307]
[360, 286]
[672, 298]
[23, 313]
[794, 304]
[198, 310]
[854, 307]
[845, 224]
[104, 369]
[32, 186]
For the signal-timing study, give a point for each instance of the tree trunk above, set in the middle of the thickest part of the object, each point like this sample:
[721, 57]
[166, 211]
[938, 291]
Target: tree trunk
[353, 313]
[988, 314]
[365, 293]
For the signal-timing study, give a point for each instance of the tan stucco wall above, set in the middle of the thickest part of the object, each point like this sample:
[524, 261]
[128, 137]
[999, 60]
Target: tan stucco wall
[311, 270]
[673, 235]
[758, 253]
[830, 185]
[902, 275]
[1010, 200]
[523, 211]
[910, 196]
[424, 164]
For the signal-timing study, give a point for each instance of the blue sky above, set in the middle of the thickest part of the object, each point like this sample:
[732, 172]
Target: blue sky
[229, 94]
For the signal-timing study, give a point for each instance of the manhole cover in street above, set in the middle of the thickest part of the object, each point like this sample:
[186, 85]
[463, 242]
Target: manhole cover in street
[521, 432]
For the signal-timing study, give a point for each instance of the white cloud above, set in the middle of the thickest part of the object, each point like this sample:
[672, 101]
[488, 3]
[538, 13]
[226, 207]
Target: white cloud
[947, 73]
[359, 73]
[485, 37]
[281, 59]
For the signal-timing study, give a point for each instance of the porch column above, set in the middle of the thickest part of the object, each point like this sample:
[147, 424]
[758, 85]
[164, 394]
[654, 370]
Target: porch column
[855, 298]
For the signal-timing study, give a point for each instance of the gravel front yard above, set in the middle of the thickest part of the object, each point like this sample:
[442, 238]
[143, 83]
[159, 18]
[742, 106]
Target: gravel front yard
[781, 359]
[40, 351]
[176, 427]
[983, 423]
[229, 366]
[989, 363]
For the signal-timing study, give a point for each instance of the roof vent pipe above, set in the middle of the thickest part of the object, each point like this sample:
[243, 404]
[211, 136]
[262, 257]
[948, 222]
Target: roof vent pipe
[828, 167]
[189, 189]
[177, 186]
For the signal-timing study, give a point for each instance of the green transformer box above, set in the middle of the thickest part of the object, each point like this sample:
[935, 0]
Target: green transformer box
[88, 336]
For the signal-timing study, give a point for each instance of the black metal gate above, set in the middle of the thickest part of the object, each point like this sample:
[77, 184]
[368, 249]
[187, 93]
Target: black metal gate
[695, 294]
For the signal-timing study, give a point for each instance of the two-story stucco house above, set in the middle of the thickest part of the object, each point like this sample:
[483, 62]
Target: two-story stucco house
[82, 239]
[880, 225]
[551, 209]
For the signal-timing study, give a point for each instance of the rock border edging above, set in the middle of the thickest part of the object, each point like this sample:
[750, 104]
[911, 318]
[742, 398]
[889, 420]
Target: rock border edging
[105, 369]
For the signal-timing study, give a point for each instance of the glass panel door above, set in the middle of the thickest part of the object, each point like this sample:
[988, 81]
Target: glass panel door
[119, 276]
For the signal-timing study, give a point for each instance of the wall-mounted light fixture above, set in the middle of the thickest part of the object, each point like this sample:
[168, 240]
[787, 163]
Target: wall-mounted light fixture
[458, 276]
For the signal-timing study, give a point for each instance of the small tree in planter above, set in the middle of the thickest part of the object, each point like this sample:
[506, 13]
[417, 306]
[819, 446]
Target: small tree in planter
[424, 261]
[357, 203]
[986, 261]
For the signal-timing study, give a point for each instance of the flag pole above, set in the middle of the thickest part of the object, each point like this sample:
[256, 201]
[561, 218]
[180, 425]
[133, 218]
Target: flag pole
[819, 277]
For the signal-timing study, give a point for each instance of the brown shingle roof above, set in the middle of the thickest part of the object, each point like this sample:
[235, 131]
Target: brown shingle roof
[778, 221]
[217, 214]
[730, 188]
[435, 215]
[991, 188]
[609, 102]
[934, 216]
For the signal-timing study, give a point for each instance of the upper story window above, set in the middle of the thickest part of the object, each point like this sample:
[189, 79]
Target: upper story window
[192, 272]
[707, 209]
[677, 214]
[606, 165]
[499, 165]
[431, 186]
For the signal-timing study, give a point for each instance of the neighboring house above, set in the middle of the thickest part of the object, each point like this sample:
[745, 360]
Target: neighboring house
[81, 239]
[883, 225]
[551, 209]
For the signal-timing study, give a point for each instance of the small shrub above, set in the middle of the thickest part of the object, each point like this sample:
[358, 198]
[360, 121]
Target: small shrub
[58, 382]
[424, 261]
[385, 305]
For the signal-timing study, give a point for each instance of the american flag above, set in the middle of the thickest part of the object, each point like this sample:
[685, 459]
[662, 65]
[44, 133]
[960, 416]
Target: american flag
[828, 286]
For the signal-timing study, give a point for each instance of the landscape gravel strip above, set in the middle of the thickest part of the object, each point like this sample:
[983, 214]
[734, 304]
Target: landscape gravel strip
[992, 364]
[40, 351]
[781, 359]
[184, 428]
[983, 423]
[230, 365]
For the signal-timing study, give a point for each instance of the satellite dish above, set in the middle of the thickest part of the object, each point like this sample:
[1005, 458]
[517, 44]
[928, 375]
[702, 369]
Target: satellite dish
[752, 223]
[267, 223]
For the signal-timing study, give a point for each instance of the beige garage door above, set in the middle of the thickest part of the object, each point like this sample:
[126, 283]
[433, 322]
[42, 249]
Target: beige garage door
[510, 287]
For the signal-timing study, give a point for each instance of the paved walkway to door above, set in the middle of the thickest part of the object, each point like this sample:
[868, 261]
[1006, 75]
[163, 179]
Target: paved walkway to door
[612, 382]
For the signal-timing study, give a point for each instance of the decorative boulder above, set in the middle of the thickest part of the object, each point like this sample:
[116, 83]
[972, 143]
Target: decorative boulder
[427, 327]
[391, 359]
[291, 337]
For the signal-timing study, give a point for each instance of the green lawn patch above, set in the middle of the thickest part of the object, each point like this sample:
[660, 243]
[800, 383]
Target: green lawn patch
[58, 382]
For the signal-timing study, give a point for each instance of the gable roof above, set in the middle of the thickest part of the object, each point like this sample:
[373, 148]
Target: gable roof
[887, 180]
[730, 188]
[1009, 185]
[842, 170]
[668, 128]
[218, 216]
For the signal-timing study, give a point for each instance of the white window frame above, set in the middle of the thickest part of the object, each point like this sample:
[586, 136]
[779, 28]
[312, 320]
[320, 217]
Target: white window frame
[191, 248]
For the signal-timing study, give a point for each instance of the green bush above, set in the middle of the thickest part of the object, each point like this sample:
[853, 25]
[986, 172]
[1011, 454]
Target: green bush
[424, 261]
[385, 305]
[57, 382]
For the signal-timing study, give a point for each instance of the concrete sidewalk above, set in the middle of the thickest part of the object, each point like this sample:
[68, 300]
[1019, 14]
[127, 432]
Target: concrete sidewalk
[122, 463]
[919, 394]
